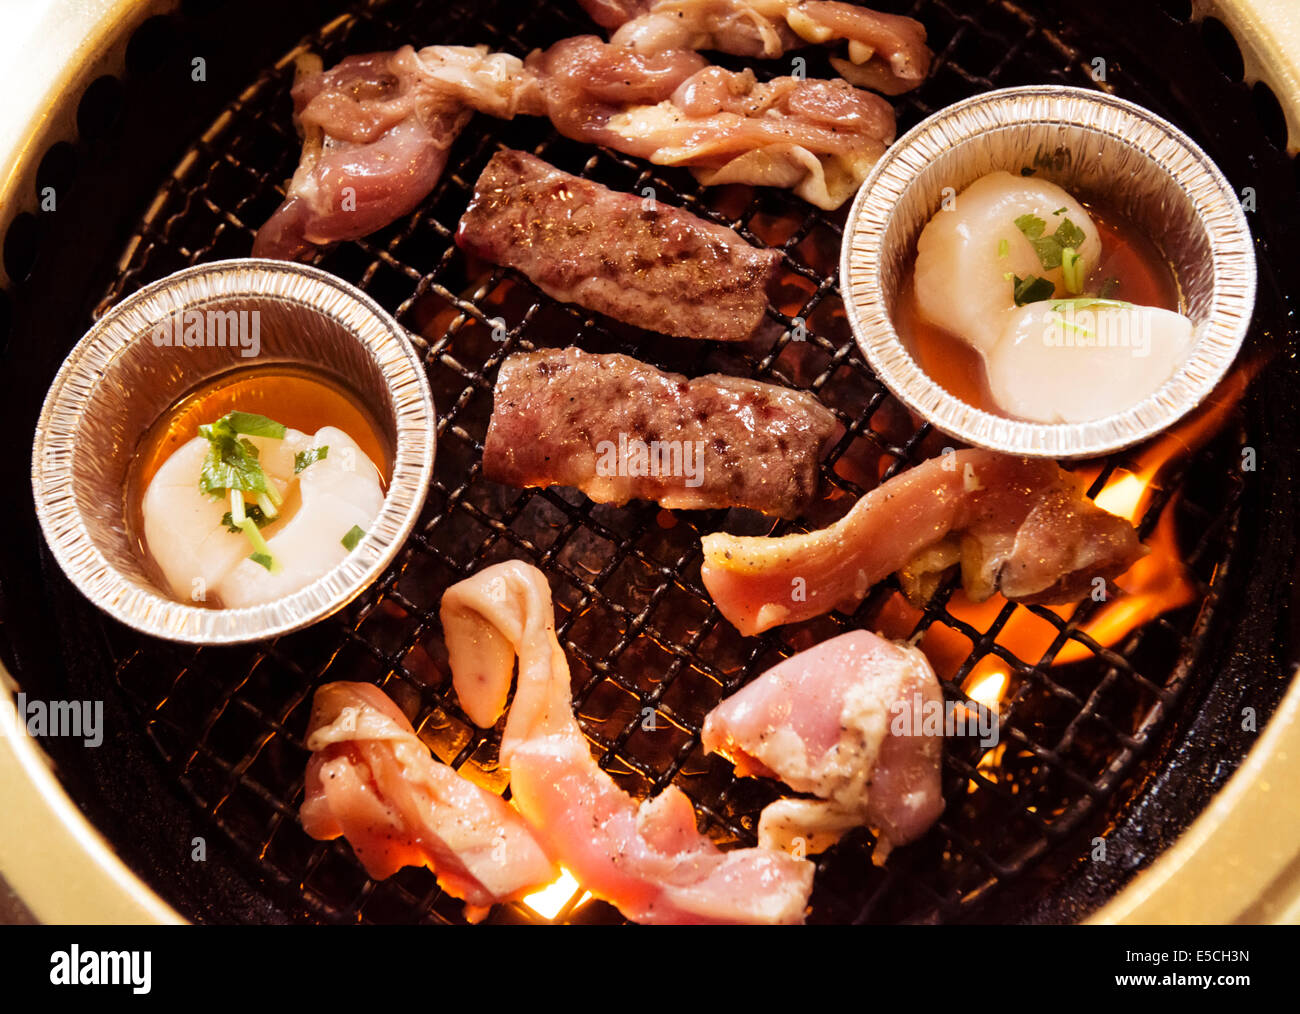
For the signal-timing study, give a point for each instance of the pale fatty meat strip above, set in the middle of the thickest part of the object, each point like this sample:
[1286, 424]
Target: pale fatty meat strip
[645, 857]
[371, 780]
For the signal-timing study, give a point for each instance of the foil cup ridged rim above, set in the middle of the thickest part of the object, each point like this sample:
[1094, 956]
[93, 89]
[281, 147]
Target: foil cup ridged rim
[380, 339]
[1163, 149]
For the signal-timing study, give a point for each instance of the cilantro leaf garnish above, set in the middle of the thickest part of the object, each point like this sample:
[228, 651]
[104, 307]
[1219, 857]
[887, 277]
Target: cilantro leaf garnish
[1050, 249]
[231, 466]
[1069, 234]
[303, 459]
[231, 463]
[254, 425]
[1031, 289]
[1031, 225]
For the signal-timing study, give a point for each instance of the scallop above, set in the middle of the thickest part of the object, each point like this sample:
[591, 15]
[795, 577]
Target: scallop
[200, 557]
[339, 492]
[965, 252]
[1071, 362]
[182, 524]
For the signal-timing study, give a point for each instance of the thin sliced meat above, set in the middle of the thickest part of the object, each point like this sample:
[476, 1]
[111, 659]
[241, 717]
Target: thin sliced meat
[647, 858]
[372, 781]
[642, 262]
[825, 722]
[886, 52]
[376, 132]
[619, 429]
[1016, 525]
[817, 138]
[377, 129]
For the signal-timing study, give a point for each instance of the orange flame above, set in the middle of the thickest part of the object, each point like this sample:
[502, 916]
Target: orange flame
[1154, 585]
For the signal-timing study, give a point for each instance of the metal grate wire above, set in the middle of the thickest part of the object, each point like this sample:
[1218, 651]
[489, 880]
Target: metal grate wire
[641, 634]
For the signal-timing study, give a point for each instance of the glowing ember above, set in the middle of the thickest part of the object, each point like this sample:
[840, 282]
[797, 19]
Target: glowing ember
[988, 765]
[551, 899]
[987, 690]
[1123, 496]
[1153, 586]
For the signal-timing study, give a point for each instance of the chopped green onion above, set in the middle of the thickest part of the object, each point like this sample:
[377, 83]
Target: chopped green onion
[252, 511]
[269, 510]
[1072, 270]
[1003, 247]
[259, 544]
[355, 534]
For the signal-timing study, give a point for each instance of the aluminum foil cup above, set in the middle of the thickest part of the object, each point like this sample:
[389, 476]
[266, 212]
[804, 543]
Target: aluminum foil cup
[1095, 146]
[117, 382]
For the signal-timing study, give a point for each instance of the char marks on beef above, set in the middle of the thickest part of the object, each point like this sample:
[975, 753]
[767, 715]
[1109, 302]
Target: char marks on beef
[570, 418]
[639, 261]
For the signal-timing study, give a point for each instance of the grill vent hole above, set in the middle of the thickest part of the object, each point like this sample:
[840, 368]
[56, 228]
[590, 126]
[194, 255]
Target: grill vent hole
[1269, 111]
[57, 170]
[1223, 48]
[151, 44]
[99, 108]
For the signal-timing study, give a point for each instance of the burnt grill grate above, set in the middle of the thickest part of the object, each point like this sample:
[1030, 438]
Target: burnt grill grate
[642, 636]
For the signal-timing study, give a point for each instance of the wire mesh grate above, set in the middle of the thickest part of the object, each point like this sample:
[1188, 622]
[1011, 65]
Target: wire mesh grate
[641, 634]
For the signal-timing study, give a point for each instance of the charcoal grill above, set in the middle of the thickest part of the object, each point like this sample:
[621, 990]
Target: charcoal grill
[1123, 744]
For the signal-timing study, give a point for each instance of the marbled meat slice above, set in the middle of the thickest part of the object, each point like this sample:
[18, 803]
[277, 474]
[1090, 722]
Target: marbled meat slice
[632, 258]
[618, 430]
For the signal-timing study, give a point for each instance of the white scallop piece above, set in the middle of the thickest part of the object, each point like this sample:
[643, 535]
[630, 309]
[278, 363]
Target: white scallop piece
[1072, 365]
[338, 492]
[198, 554]
[182, 524]
[961, 283]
